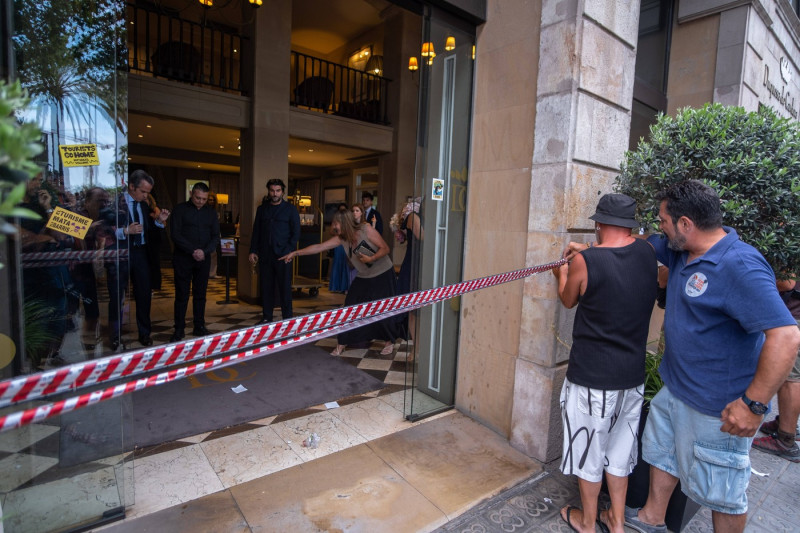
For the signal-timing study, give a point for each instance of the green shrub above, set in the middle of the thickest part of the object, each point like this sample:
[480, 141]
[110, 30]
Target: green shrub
[752, 160]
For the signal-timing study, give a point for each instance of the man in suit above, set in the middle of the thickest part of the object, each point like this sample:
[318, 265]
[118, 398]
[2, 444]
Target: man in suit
[371, 214]
[276, 232]
[195, 234]
[133, 221]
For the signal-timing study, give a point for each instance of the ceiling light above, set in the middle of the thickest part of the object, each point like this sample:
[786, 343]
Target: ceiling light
[310, 149]
[140, 135]
[149, 126]
[221, 146]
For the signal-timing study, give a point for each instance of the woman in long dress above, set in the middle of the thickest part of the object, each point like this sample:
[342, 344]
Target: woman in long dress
[340, 267]
[369, 254]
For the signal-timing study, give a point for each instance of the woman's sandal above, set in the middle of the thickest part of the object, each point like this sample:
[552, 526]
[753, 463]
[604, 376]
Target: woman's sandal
[388, 349]
[338, 350]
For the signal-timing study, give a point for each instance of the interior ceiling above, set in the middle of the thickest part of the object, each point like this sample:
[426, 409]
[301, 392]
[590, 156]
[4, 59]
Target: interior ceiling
[318, 25]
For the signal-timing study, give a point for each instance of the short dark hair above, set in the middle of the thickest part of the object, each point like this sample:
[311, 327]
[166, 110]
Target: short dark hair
[694, 200]
[200, 186]
[276, 181]
[137, 177]
[367, 194]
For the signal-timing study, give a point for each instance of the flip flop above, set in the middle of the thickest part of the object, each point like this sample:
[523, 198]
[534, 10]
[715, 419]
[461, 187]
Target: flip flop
[567, 519]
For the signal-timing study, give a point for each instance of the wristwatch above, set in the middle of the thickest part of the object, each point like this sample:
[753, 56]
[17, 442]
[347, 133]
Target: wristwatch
[757, 408]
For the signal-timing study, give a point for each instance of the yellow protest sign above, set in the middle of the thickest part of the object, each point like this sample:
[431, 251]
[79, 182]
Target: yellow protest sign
[79, 155]
[70, 223]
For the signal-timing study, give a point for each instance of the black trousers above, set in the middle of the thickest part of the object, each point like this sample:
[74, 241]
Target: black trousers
[140, 276]
[195, 273]
[275, 276]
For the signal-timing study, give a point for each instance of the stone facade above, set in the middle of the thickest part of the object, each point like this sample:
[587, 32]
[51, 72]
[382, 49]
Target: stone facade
[545, 149]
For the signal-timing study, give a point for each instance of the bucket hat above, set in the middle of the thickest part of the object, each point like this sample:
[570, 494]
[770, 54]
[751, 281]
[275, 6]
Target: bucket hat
[616, 210]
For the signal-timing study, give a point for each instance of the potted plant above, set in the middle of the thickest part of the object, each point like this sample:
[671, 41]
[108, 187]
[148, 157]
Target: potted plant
[750, 159]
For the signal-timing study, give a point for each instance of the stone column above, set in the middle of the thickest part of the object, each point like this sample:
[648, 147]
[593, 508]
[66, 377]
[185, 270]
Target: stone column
[587, 53]
[553, 93]
[265, 144]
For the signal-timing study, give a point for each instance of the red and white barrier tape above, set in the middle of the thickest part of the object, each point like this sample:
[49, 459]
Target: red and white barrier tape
[277, 336]
[74, 255]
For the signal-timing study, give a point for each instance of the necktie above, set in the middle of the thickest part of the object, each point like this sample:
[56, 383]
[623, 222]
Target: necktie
[139, 239]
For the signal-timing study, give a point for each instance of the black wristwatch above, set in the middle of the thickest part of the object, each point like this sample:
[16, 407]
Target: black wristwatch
[757, 408]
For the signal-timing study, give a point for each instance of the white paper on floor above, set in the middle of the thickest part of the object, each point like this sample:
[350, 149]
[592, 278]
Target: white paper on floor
[238, 388]
[332, 405]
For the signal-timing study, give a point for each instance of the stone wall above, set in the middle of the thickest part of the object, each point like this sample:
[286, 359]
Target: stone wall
[552, 119]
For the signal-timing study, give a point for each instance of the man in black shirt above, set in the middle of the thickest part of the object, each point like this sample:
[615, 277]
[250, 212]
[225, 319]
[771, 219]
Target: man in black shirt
[195, 234]
[276, 232]
[614, 286]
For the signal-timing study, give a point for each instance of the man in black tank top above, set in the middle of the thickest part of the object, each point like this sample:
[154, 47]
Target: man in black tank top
[615, 283]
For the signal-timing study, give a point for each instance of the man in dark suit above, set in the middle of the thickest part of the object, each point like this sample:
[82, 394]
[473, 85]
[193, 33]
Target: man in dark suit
[194, 229]
[133, 221]
[371, 214]
[276, 232]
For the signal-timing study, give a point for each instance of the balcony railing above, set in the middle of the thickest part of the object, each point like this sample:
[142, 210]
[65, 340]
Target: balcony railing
[167, 46]
[328, 87]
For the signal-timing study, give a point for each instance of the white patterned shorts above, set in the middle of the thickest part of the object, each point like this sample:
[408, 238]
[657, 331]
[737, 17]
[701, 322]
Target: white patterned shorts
[600, 430]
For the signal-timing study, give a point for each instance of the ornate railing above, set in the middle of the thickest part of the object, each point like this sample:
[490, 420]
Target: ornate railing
[328, 87]
[168, 46]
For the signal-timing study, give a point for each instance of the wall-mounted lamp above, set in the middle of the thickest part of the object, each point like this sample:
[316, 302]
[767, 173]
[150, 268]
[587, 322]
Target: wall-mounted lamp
[427, 50]
[412, 64]
[222, 199]
[305, 201]
[207, 3]
[473, 51]
[450, 44]
[256, 3]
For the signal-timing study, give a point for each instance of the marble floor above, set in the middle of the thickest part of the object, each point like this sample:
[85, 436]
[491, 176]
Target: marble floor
[37, 494]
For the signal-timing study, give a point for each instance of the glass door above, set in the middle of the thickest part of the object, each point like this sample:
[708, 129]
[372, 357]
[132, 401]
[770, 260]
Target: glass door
[69, 471]
[443, 137]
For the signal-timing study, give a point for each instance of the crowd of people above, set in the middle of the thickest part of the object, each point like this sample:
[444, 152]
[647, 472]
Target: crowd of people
[129, 231]
[731, 326]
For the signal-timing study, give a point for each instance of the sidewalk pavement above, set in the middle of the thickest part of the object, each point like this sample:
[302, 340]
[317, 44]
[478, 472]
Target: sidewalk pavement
[534, 504]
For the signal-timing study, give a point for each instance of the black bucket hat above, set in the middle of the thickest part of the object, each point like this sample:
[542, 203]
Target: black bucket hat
[616, 210]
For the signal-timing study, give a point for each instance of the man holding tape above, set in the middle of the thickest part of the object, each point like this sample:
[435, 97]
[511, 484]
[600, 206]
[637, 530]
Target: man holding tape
[613, 283]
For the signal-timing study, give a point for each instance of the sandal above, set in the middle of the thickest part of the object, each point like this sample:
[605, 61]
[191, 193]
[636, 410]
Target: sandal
[388, 349]
[338, 350]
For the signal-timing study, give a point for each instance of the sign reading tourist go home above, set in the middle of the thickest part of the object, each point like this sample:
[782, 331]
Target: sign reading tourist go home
[79, 155]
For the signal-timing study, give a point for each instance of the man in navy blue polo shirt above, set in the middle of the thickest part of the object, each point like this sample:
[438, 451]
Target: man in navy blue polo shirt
[730, 343]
